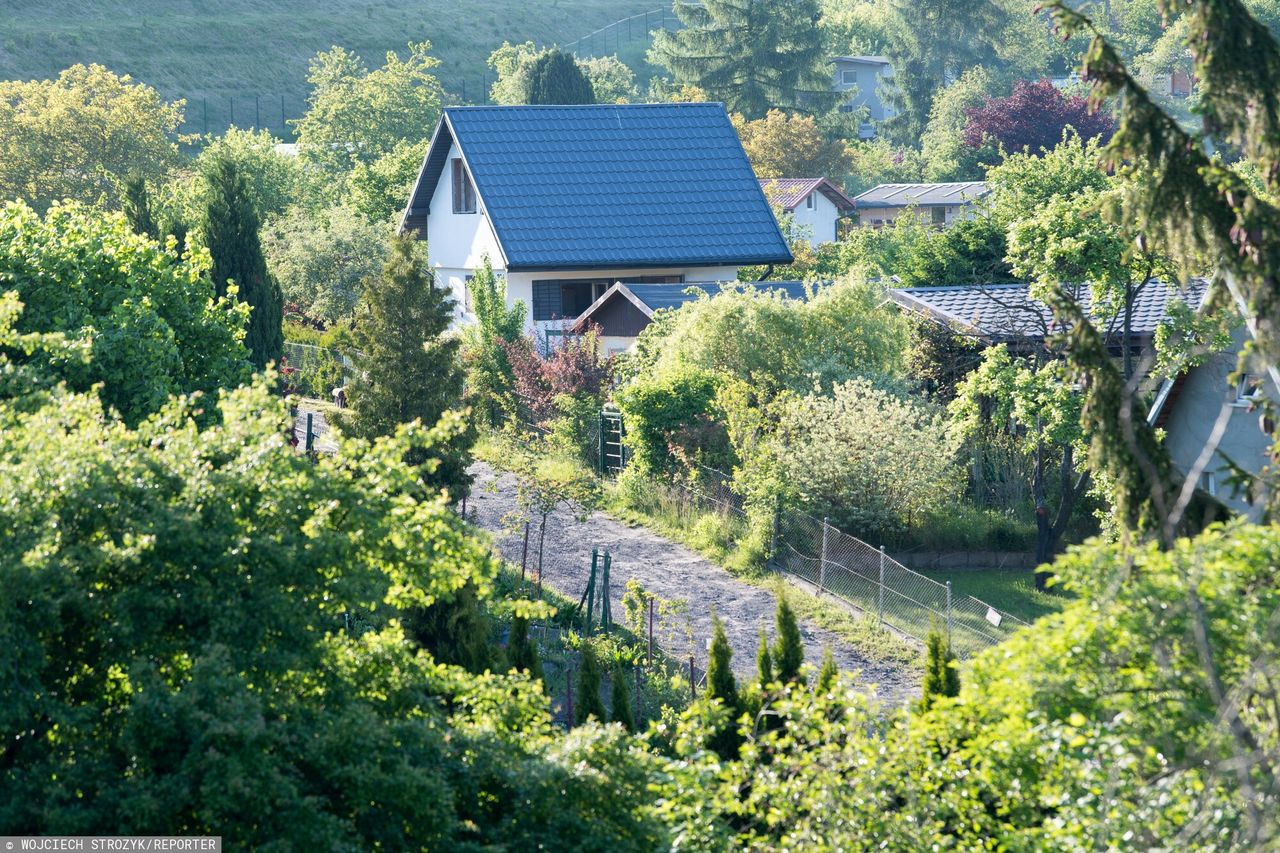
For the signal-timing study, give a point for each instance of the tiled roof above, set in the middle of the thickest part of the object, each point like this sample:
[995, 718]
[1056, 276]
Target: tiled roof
[610, 186]
[904, 195]
[789, 193]
[870, 60]
[1002, 312]
[653, 297]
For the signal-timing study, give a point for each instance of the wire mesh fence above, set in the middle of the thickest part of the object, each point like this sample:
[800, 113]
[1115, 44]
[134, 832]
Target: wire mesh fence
[838, 564]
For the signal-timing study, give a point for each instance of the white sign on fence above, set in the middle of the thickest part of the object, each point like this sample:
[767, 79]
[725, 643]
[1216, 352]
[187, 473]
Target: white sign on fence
[993, 616]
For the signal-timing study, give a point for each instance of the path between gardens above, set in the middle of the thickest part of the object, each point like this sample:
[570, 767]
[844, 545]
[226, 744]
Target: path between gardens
[671, 572]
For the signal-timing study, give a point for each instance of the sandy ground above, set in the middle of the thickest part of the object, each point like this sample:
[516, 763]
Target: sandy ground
[672, 572]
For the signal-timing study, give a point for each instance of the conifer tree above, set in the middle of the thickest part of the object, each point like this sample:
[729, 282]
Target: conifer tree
[137, 208]
[555, 78]
[751, 54]
[827, 674]
[788, 652]
[764, 664]
[454, 630]
[231, 234]
[620, 700]
[589, 703]
[522, 654]
[720, 681]
[941, 678]
[406, 366]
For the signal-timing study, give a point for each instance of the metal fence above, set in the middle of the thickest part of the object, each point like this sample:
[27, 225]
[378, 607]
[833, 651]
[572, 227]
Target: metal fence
[838, 564]
[313, 371]
[611, 38]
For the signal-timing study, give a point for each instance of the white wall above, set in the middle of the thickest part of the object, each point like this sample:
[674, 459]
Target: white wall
[817, 224]
[867, 216]
[457, 242]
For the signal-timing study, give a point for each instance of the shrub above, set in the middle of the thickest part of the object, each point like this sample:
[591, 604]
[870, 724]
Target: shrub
[670, 418]
[874, 462]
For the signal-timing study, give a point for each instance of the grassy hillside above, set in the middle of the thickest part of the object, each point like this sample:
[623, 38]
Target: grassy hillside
[221, 54]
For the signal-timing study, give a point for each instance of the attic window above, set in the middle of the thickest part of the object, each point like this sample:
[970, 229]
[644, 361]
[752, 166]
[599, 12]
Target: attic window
[809, 202]
[849, 76]
[464, 193]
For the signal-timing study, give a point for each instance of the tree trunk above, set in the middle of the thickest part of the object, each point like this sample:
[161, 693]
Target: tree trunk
[542, 537]
[1044, 531]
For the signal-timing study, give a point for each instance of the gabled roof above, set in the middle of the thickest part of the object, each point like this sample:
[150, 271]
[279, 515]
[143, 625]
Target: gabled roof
[1006, 312]
[650, 298]
[790, 193]
[608, 186]
[904, 195]
[866, 60]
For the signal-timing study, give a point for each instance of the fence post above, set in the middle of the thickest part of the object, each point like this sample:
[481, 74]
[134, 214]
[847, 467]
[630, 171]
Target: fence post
[464, 507]
[948, 611]
[822, 564]
[777, 528]
[651, 630]
[310, 435]
[606, 611]
[880, 591]
[257, 112]
[524, 552]
[693, 685]
[602, 445]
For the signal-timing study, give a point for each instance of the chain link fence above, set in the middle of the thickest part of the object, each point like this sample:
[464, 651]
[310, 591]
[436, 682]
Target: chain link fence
[838, 564]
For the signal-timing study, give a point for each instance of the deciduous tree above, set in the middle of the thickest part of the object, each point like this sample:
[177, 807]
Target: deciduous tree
[1033, 118]
[783, 145]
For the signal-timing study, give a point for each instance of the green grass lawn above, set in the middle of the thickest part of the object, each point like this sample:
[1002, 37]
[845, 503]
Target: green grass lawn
[209, 51]
[1012, 591]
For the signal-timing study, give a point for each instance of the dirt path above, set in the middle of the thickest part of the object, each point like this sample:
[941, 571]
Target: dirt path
[672, 572]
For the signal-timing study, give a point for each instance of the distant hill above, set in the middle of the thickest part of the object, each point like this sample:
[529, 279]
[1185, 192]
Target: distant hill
[246, 60]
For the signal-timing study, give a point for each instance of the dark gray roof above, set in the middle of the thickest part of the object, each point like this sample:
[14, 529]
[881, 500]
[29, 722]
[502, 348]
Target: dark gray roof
[650, 298]
[905, 195]
[1004, 312]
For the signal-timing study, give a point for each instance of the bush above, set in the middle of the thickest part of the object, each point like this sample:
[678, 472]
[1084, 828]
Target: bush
[877, 464]
[670, 419]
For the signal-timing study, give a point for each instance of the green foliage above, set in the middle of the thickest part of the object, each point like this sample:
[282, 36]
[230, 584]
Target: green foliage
[828, 673]
[406, 365]
[941, 672]
[589, 704]
[83, 136]
[669, 416]
[610, 78]
[150, 321]
[720, 681]
[455, 631]
[379, 190]
[522, 653]
[875, 462]
[1024, 182]
[230, 233]
[355, 115]
[490, 380]
[753, 55]
[620, 700]
[137, 208]
[764, 663]
[782, 145]
[275, 181]
[554, 78]
[788, 651]
[321, 259]
[946, 156]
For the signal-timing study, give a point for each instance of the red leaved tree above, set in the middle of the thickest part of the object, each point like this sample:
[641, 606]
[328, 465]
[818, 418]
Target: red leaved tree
[574, 367]
[1033, 117]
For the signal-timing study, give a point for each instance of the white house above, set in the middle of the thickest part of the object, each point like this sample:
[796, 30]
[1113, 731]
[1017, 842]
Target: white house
[816, 206]
[862, 76]
[565, 201]
[939, 205]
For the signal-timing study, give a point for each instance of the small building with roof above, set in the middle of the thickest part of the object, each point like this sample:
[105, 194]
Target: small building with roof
[938, 205]
[624, 310]
[565, 201]
[817, 207]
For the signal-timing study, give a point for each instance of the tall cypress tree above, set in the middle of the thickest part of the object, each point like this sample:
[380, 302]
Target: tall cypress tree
[941, 678]
[522, 654]
[725, 741]
[230, 228]
[406, 366]
[589, 702]
[137, 208]
[555, 78]
[788, 653]
[764, 663]
[753, 55]
[620, 700]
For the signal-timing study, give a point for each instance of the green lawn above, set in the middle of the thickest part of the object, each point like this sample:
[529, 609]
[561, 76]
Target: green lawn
[1012, 591]
[210, 51]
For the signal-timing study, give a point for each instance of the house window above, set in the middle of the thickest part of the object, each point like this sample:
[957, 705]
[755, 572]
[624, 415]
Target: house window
[466, 293]
[939, 215]
[809, 202]
[1248, 390]
[566, 298]
[464, 193]
[849, 77]
[1209, 484]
